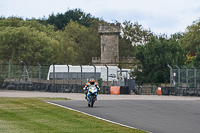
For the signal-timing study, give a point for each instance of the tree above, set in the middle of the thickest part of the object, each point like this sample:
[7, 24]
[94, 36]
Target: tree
[153, 59]
[62, 20]
[34, 42]
[64, 51]
[87, 41]
[27, 41]
[24, 44]
[126, 49]
[136, 33]
[191, 38]
[196, 59]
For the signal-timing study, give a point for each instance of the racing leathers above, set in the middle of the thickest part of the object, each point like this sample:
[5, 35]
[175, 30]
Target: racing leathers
[87, 85]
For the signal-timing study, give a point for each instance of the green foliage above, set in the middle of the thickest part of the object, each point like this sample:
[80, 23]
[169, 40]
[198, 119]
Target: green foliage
[191, 43]
[17, 44]
[191, 38]
[63, 52]
[25, 41]
[196, 59]
[99, 81]
[126, 49]
[61, 20]
[136, 33]
[154, 58]
[132, 35]
[32, 42]
[86, 41]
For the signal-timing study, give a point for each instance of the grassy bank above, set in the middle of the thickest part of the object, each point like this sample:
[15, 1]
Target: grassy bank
[33, 115]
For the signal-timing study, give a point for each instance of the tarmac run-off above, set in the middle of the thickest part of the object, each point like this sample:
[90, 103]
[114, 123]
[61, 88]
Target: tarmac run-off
[81, 96]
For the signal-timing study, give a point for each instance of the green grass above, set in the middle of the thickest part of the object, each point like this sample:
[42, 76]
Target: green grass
[33, 115]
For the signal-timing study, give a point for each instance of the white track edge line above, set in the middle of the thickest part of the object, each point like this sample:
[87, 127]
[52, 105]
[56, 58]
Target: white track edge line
[94, 116]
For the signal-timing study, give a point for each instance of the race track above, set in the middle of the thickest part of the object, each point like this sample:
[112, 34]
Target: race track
[153, 113]
[165, 116]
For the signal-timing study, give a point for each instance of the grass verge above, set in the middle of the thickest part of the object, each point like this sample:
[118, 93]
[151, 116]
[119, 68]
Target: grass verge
[33, 115]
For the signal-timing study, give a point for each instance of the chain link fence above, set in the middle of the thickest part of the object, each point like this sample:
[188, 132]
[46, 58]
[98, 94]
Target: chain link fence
[183, 81]
[23, 73]
[23, 77]
[184, 77]
[38, 78]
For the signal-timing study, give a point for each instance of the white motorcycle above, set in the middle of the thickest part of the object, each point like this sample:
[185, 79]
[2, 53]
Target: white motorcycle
[92, 95]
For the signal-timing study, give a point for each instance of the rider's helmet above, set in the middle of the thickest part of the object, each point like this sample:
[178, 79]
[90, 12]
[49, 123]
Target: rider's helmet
[92, 81]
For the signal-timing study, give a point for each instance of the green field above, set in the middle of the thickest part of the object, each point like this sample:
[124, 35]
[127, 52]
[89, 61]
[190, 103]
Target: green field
[33, 115]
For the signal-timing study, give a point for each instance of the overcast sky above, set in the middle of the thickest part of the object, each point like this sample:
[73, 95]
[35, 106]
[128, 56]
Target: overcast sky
[161, 16]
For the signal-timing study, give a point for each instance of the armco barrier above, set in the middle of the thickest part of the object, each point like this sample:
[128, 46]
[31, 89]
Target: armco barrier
[44, 87]
[104, 90]
[1, 81]
[168, 90]
[180, 91]
[124, 90]
[4, 84]
[74, 88]
[65, 88]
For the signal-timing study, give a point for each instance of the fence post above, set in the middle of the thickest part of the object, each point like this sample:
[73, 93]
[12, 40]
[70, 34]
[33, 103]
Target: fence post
[8, 70]
[107, 75]
[39, 72]
[195, 81]
[53, 77]
[81, 74]
[94, 71]
[186, 75]
[24, 70]
[178, 76]
[67, 74]
[170, 75]
[120, 70]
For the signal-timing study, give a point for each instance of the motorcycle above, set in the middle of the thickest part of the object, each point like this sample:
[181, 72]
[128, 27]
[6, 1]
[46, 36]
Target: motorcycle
[92, 95]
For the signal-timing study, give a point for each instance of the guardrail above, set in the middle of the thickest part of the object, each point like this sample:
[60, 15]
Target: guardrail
[180, 91]
[48, 87]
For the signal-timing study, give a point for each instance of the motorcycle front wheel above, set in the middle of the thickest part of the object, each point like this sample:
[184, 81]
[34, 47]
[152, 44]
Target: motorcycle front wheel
[91, 101]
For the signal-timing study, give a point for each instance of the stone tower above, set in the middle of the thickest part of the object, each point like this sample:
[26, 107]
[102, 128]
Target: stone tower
[109, 34]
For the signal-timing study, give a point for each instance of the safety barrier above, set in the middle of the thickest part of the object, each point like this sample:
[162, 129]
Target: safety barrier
[115, 90]
[47, 87]
[159, 91]
[179, 91]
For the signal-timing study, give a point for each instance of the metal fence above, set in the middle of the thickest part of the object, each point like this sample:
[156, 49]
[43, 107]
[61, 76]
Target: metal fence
[184, 77]
[24, 73]
[34, 78]
[24, 77]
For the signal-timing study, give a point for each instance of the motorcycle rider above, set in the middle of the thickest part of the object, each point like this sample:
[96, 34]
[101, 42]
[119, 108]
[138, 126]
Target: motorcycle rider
[88, 84]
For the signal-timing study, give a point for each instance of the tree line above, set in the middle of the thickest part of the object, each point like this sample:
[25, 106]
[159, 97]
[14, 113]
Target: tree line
[73, 38]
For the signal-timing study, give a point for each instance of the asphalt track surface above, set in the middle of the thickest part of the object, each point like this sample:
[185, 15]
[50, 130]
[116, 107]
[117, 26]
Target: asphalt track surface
[164, 116]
